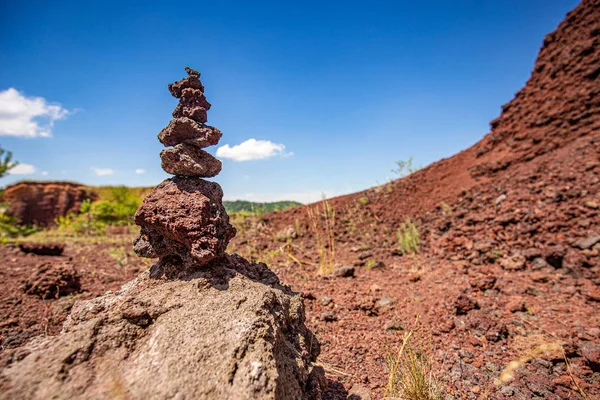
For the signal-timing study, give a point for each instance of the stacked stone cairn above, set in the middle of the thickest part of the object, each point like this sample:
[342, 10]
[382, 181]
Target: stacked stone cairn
[183, 221]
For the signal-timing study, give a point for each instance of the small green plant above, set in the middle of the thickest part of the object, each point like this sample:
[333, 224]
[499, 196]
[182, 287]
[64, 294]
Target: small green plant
[496, 254]
[119, 254]
[9, 227]
[405, 168]
[6, 163]
[364, 200]
[408, 238]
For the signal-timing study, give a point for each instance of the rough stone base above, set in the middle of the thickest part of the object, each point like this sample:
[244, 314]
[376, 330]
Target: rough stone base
[226, 332]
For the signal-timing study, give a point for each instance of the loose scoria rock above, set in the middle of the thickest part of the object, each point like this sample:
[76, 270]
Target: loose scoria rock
[193, 104]
[186, 130]
[183, 221]
[187, 160]
[198, 114]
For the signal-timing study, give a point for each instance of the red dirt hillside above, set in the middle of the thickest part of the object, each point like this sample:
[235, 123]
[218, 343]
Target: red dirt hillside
[509, 261]
[40, 203]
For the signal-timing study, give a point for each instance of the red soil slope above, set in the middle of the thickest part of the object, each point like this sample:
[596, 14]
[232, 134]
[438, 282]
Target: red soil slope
[510, 246]
[559, 103]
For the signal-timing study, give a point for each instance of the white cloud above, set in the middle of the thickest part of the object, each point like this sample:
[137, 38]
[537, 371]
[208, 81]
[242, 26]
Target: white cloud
[252, 149]
[140, 171]
[27, 116]
[23, 169]
[103, 171]
[44, 173]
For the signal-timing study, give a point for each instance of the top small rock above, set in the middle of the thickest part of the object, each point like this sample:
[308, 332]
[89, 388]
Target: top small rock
[192, 81]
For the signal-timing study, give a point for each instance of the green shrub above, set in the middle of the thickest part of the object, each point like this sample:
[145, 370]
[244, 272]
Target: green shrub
[408, 238]
[405, 168]
[9, 228]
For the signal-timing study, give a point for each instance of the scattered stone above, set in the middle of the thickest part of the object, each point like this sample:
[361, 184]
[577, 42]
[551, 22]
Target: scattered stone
[591, 204]
[329, 316]
[515, 304]
[393, 325]
[593, 295]
[188, 160]
[344, 272]
[42, 249]
[53, 280]
[466, 354]
[464, 304]
[554, 256]
[539, 276]
[186, 130]
[375, 288]
[359, 392]
[483, 283]
[515, 262]
[500, 199]
[591, 353]
[587, 243]
[532, 253]
[287, 233]
[375, 265]
[365, 255]
[539, 263]
[385, 301]
[325, 301]
[414, 277]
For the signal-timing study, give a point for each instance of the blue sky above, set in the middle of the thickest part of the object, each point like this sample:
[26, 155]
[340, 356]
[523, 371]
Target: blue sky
[347, 87]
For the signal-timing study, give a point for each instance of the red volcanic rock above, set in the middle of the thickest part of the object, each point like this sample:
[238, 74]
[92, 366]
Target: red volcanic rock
[193, 104]
[464, 304]
[183, 222]
[42, 249]
[192, 82]
[52, 280]
[41, 203]
[187, 160]
[198, 114]
[186, 130]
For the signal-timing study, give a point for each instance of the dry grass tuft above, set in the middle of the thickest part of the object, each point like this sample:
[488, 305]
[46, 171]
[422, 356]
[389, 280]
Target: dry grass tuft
[322, 225]
[411, 374]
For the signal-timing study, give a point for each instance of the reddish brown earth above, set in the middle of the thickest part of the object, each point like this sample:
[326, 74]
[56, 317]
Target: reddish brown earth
[40, 203]
[25, 314]
[509, 265]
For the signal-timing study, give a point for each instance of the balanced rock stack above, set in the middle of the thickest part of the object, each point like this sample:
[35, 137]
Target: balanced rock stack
[183, 219]
[229, 330]
[187, 132]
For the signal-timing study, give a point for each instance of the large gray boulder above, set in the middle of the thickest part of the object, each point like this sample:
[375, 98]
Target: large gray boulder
[227, 331]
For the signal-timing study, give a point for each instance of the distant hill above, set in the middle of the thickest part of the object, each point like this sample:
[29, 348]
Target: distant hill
[236, 206]
[258, 208]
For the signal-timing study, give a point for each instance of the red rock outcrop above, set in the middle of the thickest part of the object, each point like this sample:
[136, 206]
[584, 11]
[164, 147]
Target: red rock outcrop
[40, 203]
